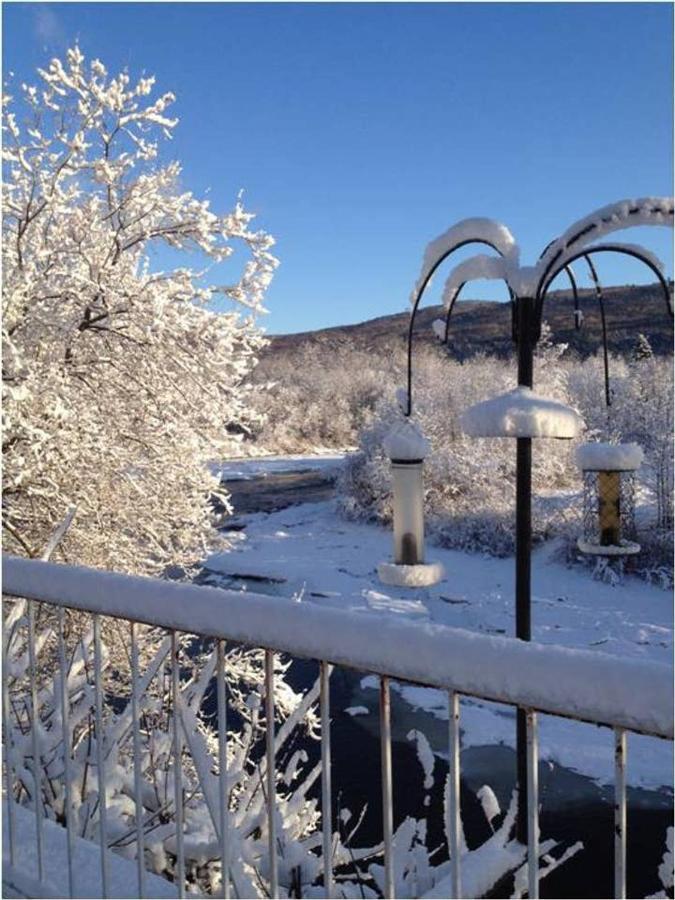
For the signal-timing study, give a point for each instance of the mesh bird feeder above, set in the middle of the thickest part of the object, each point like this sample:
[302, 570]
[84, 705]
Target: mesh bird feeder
[407, 448]
[609, 498]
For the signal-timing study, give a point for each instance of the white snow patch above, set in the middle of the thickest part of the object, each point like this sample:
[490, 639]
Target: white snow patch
[609, 457]
[357, 711]
[523, 280]
[420, 575]
[488, 268]
[489, 802]
[601, 222]
[623, 548]
[22, 879]
[520, 413]
[405, 441]
[402, 605]
[477, 230]
[666, 867]
[425, 755]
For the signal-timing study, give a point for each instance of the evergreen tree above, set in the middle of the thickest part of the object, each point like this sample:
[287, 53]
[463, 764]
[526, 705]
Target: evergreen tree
[642, 349]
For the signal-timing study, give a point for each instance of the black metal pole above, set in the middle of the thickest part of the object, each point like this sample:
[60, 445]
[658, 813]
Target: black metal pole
[526, 340]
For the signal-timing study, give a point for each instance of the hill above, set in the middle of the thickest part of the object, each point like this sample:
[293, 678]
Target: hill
[479, 326]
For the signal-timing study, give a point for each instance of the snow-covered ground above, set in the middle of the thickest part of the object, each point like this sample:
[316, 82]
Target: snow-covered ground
[21, 880]
[308, 550]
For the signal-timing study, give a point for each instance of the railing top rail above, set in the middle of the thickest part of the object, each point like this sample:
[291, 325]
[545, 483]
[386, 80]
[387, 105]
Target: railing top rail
[579, 684]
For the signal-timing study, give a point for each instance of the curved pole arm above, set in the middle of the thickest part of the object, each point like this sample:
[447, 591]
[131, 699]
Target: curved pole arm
[581, 230]
[420, 294]
[545, 282]
[449, 312]
[577, 319]
[575, 294]
[452, 306]
[598, 294]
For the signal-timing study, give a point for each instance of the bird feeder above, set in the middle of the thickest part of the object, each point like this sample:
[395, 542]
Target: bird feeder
[407, 448]
[520, 414]
[609, 498]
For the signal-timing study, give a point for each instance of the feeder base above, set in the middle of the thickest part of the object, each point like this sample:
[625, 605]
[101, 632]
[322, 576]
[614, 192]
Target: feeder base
[625, 548]
[421, 575]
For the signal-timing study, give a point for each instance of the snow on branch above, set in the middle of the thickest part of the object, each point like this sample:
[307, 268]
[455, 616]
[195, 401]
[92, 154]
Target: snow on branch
[119, 380]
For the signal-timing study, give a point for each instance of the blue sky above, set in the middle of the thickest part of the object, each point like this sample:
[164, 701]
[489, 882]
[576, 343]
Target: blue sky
[361, 131]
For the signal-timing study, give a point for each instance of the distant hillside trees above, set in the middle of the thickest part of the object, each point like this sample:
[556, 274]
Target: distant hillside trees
[119, 381]
[314, 397]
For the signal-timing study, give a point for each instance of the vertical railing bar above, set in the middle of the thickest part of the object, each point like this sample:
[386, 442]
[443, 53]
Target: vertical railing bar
[387, 810]
[9, 745]
[620, 813]
[326, 799]
[65, 727]
[100, 755]
[178, 763]
[271, 775]
[222, 768]
[35, 718]
[454, 812]
[532, 805]
[135, 730]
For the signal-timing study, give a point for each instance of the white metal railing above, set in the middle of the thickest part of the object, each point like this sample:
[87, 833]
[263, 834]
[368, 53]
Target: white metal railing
[626, 695]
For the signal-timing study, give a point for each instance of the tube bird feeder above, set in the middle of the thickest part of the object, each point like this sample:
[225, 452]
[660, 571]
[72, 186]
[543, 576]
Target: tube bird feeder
[407, 448]
[609, 498]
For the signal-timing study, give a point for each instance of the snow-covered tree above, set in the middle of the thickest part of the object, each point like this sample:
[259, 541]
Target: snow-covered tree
[119, 380]
[642, 349]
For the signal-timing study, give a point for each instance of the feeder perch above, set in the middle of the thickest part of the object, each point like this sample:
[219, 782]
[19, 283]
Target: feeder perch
[406, 447]
[609, 498]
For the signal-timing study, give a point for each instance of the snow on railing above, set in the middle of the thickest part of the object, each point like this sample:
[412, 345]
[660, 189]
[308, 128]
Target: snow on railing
[626, 695]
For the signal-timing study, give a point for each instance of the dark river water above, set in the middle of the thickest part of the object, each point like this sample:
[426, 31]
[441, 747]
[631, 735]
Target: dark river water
[573, 807]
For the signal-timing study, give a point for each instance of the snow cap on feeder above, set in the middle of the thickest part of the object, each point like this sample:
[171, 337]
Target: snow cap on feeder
[609, 497]
[405, 442]
[519, 414]
[407, 447]
[601, 457]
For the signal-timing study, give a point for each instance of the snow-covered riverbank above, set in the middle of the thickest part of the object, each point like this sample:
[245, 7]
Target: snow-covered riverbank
[310, 552]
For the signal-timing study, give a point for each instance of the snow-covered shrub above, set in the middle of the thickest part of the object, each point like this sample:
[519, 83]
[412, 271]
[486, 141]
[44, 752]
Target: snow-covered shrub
[317, 397]
[298, 815]
[119, 381]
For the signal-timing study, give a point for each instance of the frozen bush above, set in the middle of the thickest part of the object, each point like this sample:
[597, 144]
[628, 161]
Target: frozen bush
[317, 397]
